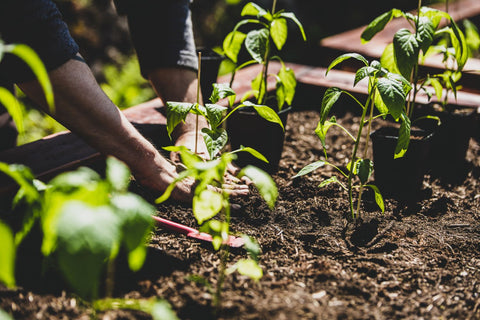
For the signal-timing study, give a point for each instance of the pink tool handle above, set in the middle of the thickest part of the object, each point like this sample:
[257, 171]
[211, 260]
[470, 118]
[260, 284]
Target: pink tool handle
[174, 226]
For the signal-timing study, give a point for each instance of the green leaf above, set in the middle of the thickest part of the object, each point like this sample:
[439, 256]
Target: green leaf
[206, 205]
[215, 114]
[388, 59]
[309, 168]
[291, 16]
[329, 98]
[7, 256]
[254, 153]
[459, 44]
[87, 237]
[437, 86]
[472, 36]
[363, 169]
[233, 44]
[220, 91]
[378, 197]
[215, 140]
[33, 61]
[176, 113]
[264, 183]
[322, 129]
[14, 108]
[266, 113]
[344, 57]
[162, 310]
[392, 95]
[406, 50]
[249, 268]
[252, 247]
[425, 33]
[135, 215]
[378, 24]
[403, 137]
[256, 44]
[118, 174]
[286, 86]
[279, 32]
[380, 105]
[253, 9]
[328, 181]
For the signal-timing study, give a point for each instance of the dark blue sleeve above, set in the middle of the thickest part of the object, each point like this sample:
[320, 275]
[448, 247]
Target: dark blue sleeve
[39, 24]
[161, 32]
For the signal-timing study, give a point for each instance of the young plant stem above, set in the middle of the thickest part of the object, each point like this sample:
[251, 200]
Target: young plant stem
[354, 156]
[198, 99]
[365, 152]
[263, 84]
[225, 252]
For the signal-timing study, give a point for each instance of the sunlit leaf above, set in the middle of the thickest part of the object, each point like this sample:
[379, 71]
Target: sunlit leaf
[406, 50]
[378, 24]
[291, 16]
[344, 57]
[118, 174]
[7, 256]
[392, 95]
[215, 114]
[206, 205]
[249, 268]
[176, 113]
[329, 98]
[279, 32]
[215, 140]
[87, 237]
[309, 168]
[403, 137]
[264, 183]
[256, 44]
[378, 197]
[232, 44]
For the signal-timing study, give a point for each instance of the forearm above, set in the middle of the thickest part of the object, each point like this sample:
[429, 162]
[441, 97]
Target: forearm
[82, 107]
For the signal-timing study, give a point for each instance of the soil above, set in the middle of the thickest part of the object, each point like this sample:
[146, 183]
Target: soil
[416, 261]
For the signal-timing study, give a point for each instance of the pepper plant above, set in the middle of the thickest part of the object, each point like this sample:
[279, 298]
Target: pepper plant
[211, 207]
[387, 93]
[405, 53]
[272, 27]
[215, 136]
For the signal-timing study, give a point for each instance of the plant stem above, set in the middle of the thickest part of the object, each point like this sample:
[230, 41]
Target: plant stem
[198, 99]
[354, 156]
[217, 299]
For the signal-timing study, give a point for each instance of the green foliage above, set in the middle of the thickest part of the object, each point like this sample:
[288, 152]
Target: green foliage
[211, 207]
[158, 309]
[271, 27]
[7, 256]
[410, 48]
[85, 220]
[215, 136]
[387, 92]
[4, 315]
[124, 84]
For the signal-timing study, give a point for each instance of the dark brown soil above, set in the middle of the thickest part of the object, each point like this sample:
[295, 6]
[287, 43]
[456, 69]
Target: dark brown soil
[416, 261]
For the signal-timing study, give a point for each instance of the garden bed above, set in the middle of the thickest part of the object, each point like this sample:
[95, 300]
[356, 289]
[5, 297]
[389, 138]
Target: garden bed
[415, 261]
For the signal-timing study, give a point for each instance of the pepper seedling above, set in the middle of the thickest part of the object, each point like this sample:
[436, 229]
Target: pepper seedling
[387, 93]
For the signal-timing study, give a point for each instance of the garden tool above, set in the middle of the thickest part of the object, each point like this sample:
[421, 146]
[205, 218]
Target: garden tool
[234, 242]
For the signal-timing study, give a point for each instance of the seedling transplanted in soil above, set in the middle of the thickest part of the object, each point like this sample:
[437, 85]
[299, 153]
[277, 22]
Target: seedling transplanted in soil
[210, 200]
[408, 49]
[272, 27]
[387, 92]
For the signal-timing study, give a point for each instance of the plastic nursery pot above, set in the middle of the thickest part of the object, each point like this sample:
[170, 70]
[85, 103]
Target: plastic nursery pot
[246, 128]
[450, 142]
[401, 178]
[210, 64]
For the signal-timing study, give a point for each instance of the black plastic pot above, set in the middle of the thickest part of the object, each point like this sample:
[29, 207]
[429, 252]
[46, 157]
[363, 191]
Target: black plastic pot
[450, 143]
[246, 128]
[210, 61]
[400, 178]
